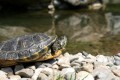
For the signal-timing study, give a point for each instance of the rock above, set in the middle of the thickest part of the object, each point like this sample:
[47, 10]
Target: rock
[64, 62]
[47, 71]
[26, 79]
[8, 70]
[32, 67]
[18, 67]
[90, 58]
[74, 64]
[101, 58]
[77, 57]
[83, 75]
[3, 75]
[110, 60]
[117, 60]
[42, 65]
[55, 66]
[14, 77]
[103, 73]
[27, 73]
[116, 70]
[77, 68]
[88, 67]
[68, 73]
[85, 53]
[36, 74]
[42, 76]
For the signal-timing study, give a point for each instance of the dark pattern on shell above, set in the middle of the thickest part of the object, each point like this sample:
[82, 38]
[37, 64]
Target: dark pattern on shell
[24, 46]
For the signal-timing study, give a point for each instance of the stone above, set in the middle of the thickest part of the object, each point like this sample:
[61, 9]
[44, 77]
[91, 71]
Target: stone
[83, 75]
[14, 77]
[32, 67]
[3, 75]
[36, 74]
[64, 62]
[88, 67]
[42, 65]
[47, 71]
[103, 73]
[85, 53]
[116, 70]
[27, 73]
[77, 68]
[101, 58]
[26, 79]
[18, 67]
[42, 76]
[8, 70]
[55, 66]
[117, 60]
[90, 58]
[68, 73]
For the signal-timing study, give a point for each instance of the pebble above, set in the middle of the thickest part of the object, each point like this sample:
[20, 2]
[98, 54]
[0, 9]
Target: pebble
[8, 70]
[116, 70]
[88, 67]
[3, 75]
[27, 73]
[14, 77]
[42, 76]
[83, 75]
[81, 66]
[64, 62]
[101, 58]
[68, 73]
[103, 73]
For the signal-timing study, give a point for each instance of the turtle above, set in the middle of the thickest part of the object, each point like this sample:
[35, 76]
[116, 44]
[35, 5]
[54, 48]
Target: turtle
[31, 48]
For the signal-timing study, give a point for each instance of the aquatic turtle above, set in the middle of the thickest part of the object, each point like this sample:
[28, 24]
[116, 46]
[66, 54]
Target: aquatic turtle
[30, 48]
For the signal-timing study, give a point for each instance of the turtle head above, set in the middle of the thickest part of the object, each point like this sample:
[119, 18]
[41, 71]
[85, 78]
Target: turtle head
[62, 41]
[59, 44]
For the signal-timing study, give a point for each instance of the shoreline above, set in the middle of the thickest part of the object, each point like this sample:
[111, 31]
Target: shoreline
[80, 66]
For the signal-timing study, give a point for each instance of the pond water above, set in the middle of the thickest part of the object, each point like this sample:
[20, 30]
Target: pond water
[95, 32]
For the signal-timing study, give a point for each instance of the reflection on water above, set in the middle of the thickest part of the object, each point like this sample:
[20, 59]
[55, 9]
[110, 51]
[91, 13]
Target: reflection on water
[93, 32]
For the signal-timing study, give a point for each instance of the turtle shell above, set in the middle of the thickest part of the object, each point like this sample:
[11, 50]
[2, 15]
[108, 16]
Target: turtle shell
[25, 46]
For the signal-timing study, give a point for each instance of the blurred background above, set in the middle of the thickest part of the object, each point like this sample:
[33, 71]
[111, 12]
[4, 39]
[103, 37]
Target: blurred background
[90, 25]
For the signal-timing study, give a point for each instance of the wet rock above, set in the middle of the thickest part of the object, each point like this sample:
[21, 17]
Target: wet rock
[14, 77]
[83, 75]
[103, 73]
[27, 73]
[36, 74]
[8, 70]
[68, 73]
[3, 75]
[42, 76]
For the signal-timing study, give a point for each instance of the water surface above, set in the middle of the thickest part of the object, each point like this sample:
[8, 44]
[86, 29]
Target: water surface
[95, 32]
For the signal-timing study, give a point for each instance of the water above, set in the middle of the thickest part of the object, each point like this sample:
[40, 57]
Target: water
[91, 31]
